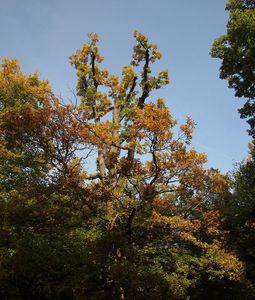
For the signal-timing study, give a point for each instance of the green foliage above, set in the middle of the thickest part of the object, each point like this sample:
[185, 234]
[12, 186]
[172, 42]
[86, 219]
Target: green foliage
[236, 49]
[238, 211]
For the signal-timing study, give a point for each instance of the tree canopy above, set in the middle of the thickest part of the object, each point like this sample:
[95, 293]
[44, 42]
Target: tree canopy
[236, 49]
[144, 225]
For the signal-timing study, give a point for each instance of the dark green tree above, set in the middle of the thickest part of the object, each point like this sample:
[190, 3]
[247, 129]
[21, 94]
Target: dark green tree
[238, 211]
[236, 49]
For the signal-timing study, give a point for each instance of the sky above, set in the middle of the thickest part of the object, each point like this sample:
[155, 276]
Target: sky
[42, 34]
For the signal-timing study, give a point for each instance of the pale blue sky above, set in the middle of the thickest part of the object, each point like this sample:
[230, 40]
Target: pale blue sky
[42, 34]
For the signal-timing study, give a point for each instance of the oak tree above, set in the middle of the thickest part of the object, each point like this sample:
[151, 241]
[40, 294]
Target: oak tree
[143, 225]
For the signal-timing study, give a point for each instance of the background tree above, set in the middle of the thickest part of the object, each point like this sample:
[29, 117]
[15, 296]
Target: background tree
[238, 212]
[236, 49]
[143, 226]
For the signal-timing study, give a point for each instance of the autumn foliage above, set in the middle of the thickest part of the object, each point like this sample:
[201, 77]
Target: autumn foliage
[106, 198]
